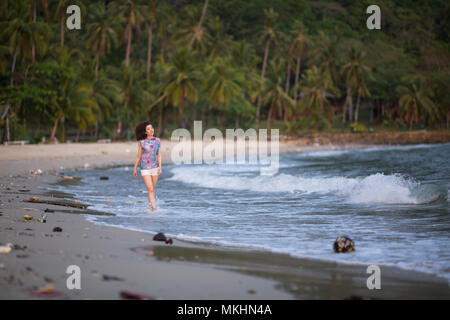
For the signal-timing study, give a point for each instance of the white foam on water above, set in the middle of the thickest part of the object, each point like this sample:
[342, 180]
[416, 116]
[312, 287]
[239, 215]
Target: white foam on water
[376, 188]
[331, 153]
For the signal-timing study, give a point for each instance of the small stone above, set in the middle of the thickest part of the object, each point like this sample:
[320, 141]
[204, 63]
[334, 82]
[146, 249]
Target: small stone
[160, 237]
[57, 229]
[111, 278]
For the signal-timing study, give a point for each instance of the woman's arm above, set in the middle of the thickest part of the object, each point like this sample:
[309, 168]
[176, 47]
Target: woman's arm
[138, 158]
[159, 161]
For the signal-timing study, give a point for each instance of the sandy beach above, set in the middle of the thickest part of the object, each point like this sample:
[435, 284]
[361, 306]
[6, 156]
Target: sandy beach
[113, 261]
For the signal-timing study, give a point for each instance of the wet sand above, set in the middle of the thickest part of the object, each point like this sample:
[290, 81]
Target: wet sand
[112, 260]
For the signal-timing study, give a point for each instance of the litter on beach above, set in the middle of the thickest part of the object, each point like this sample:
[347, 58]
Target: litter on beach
[6, 248]
[46, 291]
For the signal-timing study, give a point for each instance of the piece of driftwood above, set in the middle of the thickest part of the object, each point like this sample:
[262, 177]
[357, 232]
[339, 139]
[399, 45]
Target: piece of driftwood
[60, 203]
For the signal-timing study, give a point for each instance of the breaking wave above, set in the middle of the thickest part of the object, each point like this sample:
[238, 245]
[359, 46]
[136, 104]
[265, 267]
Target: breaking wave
[376, 188]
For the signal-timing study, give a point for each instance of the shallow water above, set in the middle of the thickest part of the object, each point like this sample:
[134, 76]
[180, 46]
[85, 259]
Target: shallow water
[392, 201]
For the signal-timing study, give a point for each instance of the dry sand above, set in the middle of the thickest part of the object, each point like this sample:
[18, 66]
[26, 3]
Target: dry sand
[180, 271]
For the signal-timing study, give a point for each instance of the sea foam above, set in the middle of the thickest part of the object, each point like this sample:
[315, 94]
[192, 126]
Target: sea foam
[376, 188]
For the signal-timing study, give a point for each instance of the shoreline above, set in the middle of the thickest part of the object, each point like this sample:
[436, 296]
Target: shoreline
[184, 270]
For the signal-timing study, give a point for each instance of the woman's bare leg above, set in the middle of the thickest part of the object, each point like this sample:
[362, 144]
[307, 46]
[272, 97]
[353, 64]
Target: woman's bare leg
[151, 191]
[154, 181]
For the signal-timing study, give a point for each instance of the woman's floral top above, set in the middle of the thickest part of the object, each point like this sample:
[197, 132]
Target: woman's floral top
[150, 150]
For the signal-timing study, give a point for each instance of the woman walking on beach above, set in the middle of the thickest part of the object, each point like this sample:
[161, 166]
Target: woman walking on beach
[148, 159]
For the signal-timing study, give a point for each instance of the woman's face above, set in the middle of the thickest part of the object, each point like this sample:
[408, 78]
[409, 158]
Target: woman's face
[149, 130]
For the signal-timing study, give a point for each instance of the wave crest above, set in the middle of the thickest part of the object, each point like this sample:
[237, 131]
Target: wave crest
[376, 188]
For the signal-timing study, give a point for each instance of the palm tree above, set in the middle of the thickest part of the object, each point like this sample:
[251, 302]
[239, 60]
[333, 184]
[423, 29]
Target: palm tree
[299, 49]
[268, 37]
[106, 93]
[363, 92]
[288, 50]
[218, 41]
[34, 19]
[60, 14]
[245, 59]
[188, 32]
[165, 26]
[415, 101]
[132, 14]
[23, 34]
[354, 72]
[198, 28]
[183, 75]
[326, 55]
[101, 33]
[149, 19]
[275, 95]
[313, 102]
[75, 99]
[223, 83]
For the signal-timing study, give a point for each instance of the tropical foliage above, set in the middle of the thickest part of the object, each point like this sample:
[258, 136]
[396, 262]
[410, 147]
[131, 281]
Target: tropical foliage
[293, 64]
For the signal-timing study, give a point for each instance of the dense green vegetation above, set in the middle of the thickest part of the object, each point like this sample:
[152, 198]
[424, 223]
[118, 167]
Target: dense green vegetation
[292, 64]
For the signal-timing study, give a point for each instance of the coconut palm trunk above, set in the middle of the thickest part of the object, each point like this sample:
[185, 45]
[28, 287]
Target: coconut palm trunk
[358, 100]
[149, 49]
[160, 121]
[13, 66]
[180, 114]
[96, 65]
[297, 77]
[158, 100]
[288, 78]
[61, 29]
[348, 104]
[33, 48]
[263, 71]
[55, 126]
[205, 6]
[128, 50]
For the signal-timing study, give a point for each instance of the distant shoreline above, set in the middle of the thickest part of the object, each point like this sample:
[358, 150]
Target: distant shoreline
[16, 159]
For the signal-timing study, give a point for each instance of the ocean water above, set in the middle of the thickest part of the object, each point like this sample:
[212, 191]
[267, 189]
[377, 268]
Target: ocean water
[392, 201]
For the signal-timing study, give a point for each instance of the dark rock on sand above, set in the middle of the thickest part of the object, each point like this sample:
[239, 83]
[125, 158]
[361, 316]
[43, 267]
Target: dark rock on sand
[57, 229]
[111, 278]
[344, 244]
[160, 237]
[128, 295]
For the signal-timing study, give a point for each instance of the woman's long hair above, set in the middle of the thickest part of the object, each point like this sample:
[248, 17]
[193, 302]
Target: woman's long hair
[140, 130]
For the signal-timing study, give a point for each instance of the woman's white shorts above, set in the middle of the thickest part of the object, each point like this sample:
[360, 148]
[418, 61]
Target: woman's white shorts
[150, 172]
